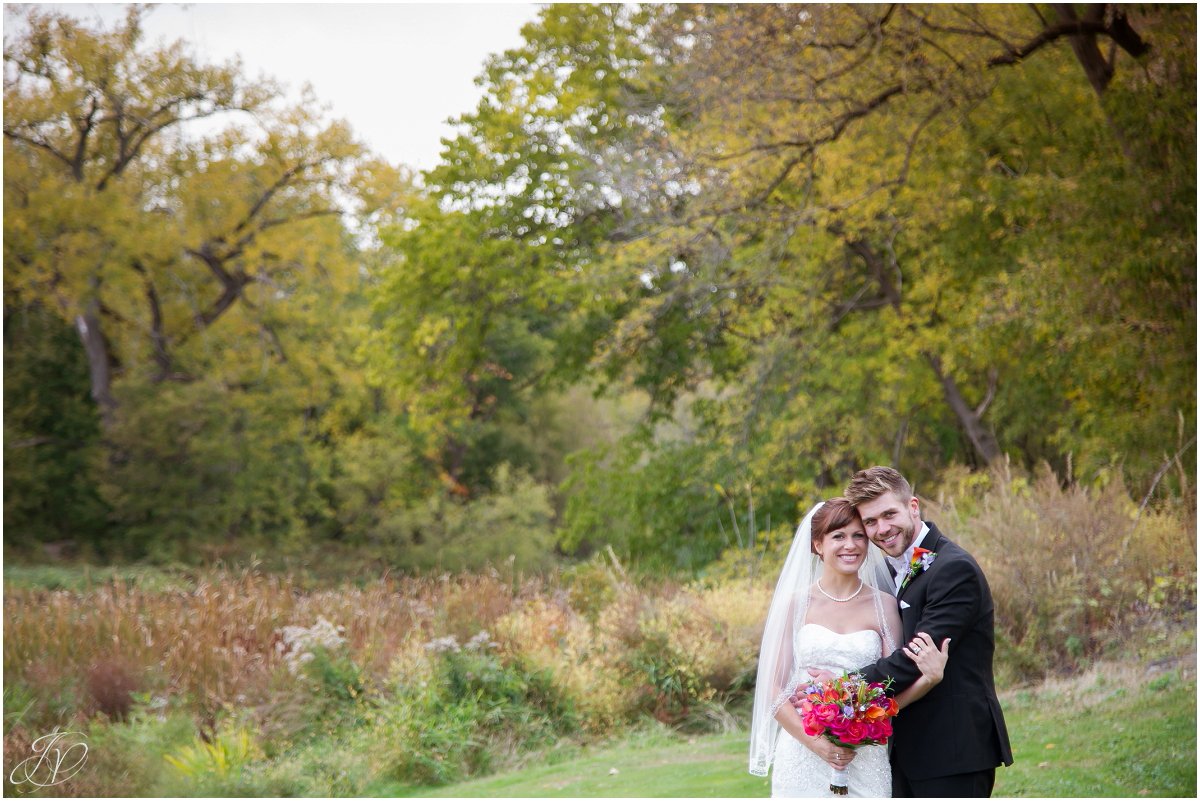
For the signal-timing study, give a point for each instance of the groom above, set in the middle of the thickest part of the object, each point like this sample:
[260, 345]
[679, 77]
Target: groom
[949, 742]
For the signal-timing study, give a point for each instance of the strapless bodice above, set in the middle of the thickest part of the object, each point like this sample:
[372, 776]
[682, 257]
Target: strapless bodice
[819, 647]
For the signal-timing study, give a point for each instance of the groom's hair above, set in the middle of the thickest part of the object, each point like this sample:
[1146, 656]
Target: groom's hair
[869, 484]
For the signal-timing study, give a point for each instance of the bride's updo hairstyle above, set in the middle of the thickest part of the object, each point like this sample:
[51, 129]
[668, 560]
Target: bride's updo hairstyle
[836, 513]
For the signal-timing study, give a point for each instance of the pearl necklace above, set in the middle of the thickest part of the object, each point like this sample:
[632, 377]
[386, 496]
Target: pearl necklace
[840, 600]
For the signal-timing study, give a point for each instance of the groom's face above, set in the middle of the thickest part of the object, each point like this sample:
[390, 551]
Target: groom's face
[891, 523]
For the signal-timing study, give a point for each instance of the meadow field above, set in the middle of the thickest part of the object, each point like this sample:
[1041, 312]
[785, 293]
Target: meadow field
[247, 682]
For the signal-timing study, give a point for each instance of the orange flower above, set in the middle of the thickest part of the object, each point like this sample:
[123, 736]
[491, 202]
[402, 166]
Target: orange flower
[876, 713]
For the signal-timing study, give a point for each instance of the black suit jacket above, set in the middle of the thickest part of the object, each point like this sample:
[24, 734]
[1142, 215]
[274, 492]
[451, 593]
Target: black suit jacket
[958, 726]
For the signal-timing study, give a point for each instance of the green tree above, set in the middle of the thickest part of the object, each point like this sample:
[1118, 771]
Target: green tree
[856, 234]
[210, 277]
[51, 436]
[484, 309]
[925, 176]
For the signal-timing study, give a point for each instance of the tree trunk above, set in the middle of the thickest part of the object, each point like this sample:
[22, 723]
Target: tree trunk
[982, 440]
[971, 420]
[1099, 72]
[87, 325]
[1098, 69]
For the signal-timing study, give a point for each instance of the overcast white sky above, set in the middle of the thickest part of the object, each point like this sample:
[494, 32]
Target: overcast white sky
[396, 72]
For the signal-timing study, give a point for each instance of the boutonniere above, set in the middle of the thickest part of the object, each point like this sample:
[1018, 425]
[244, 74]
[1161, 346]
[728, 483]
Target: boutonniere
[922, 558]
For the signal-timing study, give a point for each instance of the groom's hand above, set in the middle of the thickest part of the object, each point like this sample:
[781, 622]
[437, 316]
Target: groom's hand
[820, 675]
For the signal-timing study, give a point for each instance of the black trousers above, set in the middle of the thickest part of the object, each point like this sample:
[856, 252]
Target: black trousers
[961, 785]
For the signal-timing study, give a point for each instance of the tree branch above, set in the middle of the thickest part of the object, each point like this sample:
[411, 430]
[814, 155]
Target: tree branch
[280, 183]
[993, 381]
[143, 130]
[1125, 36]
[157, 335]
[982, 440]
[12, 134]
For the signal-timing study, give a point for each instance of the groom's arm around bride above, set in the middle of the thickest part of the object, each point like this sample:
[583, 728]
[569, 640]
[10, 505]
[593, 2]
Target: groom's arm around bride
[949, 742]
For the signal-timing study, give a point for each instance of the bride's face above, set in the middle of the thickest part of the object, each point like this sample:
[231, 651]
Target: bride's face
[845, 548]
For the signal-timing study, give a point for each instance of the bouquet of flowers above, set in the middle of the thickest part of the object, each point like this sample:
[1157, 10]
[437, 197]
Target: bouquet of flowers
[848, 711]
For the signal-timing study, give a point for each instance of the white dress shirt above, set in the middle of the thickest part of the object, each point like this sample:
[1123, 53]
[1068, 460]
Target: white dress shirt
[900, 563]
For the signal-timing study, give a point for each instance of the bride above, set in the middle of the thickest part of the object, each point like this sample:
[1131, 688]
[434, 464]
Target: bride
[833, 610]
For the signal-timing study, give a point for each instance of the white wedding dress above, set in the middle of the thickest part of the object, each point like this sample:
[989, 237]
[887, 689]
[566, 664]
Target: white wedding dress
[798, 772]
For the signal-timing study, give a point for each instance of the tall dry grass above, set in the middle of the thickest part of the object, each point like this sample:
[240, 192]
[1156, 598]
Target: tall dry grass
[1074, 570]
[218, 643]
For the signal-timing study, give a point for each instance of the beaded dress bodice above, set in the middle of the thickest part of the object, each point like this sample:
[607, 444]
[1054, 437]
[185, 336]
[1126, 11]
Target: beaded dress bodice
[819, 647]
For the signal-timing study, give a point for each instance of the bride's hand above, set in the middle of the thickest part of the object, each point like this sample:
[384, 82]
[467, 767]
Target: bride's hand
[836, 756]
[930, 659]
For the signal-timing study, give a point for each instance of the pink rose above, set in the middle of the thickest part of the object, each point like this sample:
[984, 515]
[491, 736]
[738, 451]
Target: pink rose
[878, 730]
[811, 727]
[826, 713]
[854, 733]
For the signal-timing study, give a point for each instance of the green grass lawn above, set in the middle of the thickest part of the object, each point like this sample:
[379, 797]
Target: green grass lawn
[1118, 734]
[656, 764]
[1111, 732]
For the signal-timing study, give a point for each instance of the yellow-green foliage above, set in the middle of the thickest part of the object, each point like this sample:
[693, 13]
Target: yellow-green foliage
[228, 751]
[661, 652]
[591, 586]
[738, 610]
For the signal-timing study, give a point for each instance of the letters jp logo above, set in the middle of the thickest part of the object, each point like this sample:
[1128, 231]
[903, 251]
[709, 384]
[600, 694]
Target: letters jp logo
[56, 757]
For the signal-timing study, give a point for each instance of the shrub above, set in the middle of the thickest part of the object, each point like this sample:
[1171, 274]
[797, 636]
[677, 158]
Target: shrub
[591, 585]
[444, 533]
[1071, 568]
[330, 767]
[228, 752]
[471, 710]
[111, 683]
[667, 666]
[737, 611]
[759, 562]
[126, 758]
[335, 676]
[423, 748]
[43, 696]
[550, 636]
[676, 654]
[322, 692]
